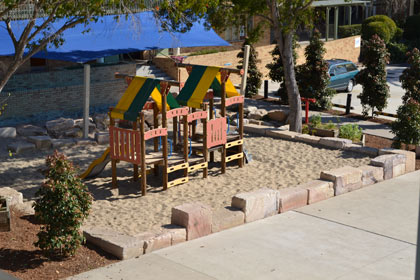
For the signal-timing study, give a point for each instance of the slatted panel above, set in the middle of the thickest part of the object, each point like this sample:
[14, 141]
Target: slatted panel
[197, 166]
[197, 115]
[155, 133]
[177, 112]
[125, 144]
[234, 100]
[216, 132]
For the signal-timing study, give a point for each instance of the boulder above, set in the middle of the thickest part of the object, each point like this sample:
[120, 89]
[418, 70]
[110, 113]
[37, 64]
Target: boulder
[250, 109]
[227, 218]
[292, 198]
[26, 208]
[102, 138]
[101, 121]
[59, 126]
[410, 160]
[148, 118]
[31, 130]
[257, 204]
[258, 114]
[74, 132]
[7, 132]
[79, 124]
[278, 115]
[393, 164]
[335, 143]
[12, 196]
[195, 217]
[345, 179]
[41, 142]
[57, 143]
[21, 147]
[371, 174]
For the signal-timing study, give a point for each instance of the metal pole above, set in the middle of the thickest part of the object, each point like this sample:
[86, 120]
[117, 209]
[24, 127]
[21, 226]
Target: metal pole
[327, 23]
[350, 12]
[335, 23]
[265, 89]
[411, 9]
[245, 67]
[86, 84]
[348, 103]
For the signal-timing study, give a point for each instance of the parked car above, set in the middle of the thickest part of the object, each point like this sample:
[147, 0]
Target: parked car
[342, 74]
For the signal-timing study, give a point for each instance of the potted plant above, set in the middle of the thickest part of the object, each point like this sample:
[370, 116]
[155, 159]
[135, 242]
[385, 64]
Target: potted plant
[317, 128]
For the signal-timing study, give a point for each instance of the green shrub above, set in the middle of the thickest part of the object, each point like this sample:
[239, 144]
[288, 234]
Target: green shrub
[388, 22]
[315, 121]
[397, 52]
[350, 131]
[378, 28]
[412, 28]
[63, 203]
[349, 30]
[398, 35]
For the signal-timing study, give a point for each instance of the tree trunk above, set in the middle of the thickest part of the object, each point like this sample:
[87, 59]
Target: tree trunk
[9, 72]
[295, 115]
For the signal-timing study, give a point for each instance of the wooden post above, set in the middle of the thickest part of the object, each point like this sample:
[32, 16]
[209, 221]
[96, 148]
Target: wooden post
[211, 116]
[86, 85]
[327, 24]
[113, 161]
[193, 126]
[143, 157]
[205, 152]
[175, 132]
[185, 141]
[245, 68]
[135, 166]
[241, 133]
[155, 140]
[164, 90]
[335, 23]
[224, 77]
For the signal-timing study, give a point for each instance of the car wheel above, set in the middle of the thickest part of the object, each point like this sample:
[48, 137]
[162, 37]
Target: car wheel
[350, 86]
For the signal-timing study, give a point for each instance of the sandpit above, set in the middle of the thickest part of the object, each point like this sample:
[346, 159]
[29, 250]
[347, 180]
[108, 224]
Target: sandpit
[275, 164]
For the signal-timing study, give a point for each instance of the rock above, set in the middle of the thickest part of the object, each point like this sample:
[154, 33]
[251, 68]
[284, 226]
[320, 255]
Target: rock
[30, 130]
[278, 115]
[153, 242]
[371, 174]
[41, 142]
[79, 124]
[258, 114]
[255, 122]
[410, 157]
[148, 118]
[393, 164]
[120, 245]
[7, 132]
[26, 208]
[362, 150]
[318, 190]
[178, 234]
[256, 129]
[21, 147]
[250, 109]
[101, 121]
[306, 138]
[57, 143]
[195, 217]
[59, 126]
[227, 218]
[12, 196]
[102, 138]
[74, 132]
[257, 204]
[345, 179]
[281, 134]
[292, 198]
[335, 143]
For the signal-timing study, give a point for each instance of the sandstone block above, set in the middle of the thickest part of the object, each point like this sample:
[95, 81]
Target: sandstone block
[30, 130]
[178, 234]
[57, 143]
[277, 115]
[390, 162]
[410, 160]
[12, 196]
[120, 245]
[21, 147]
[292, 198]
[318, 190]
[249, 109]
[195, 217]
[345, 179]
[153, 242]
[7, 132]
[256, 129]
[80, 124]
[281, 134]
[373, 152]
[335, 143]
[227, 218]
[251, 121]
[59, 126]
[41, 142]
[257, 204]
[371, 174]
[306, 138]
[102, 138]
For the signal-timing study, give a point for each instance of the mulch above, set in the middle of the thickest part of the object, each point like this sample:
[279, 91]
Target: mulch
[19, 257]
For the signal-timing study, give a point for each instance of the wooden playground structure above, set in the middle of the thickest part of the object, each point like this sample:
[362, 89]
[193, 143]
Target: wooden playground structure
[187, 148]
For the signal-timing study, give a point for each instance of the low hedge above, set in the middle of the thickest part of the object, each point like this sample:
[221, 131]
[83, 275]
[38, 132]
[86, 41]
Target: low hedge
[349, 30]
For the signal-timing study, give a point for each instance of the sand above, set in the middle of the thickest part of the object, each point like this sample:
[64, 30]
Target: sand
[275, 164]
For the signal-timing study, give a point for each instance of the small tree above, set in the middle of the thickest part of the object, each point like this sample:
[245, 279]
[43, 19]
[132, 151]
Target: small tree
[64, 202]
[277, 70]
[373, 77]
[313, 76]
[407, 126]
[254, 79]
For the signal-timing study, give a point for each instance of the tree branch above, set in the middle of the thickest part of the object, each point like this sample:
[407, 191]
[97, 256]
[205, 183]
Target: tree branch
[9, 30]
[265, 17]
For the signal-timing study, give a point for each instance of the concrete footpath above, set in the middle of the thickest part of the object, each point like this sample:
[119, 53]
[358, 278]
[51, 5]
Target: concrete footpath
[370, 233]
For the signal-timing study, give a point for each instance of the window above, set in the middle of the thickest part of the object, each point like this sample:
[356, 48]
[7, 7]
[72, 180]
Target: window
[340, 69]
[351, 67]
[234, 33]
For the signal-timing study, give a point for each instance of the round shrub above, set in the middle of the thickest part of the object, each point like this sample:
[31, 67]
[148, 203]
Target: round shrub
[397, 52]
[412, 28]
[63, 203]
[407, 126]
[378, 28]
[392, 26]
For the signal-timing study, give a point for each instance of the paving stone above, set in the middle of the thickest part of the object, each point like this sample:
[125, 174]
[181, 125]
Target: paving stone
[120, 245]
[292, 198]
[195, 217]
[7, 132]
[178, 233]
[345, 179]
[278, 115]
[41, 142]
[12, 196]
[393, 164]
[257, 204]
[281, 134]
[57, 143]
[21, 147]
[30, 130]
[335, 143]
[59, 126]
[225, 218]
[373, 152]
[410, 160]
[256, 129]
[371, 174]
[306, 138]
[102, 138]
[318, 190]
[26, 208]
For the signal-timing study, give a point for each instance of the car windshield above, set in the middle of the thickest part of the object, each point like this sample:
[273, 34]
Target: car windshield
[340, 69]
